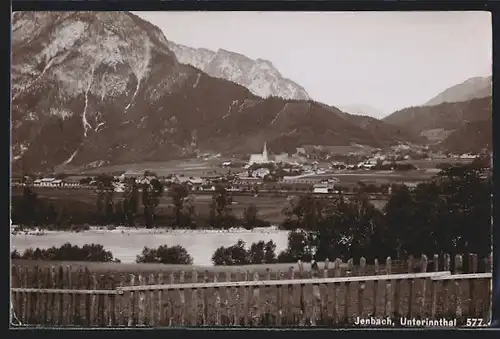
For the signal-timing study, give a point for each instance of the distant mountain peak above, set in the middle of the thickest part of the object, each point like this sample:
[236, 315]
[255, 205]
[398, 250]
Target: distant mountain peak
[362, 109]
[260, 76]
[472, 88]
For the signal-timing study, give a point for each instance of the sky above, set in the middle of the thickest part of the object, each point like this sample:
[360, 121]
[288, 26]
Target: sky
[386, 60]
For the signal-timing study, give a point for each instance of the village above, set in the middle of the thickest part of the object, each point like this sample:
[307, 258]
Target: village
[318, 170]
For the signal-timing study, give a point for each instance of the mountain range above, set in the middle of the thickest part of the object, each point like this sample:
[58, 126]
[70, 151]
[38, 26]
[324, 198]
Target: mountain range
[97, 88]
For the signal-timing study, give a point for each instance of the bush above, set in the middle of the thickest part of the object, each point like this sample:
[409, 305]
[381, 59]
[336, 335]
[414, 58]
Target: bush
[258, 253]
[174, 255]
[68, 252]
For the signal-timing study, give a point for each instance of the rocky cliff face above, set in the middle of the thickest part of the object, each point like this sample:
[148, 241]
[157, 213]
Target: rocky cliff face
[96, 88]
[259, 76]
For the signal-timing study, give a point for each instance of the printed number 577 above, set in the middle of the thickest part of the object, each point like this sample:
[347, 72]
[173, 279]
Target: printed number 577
[474, 322]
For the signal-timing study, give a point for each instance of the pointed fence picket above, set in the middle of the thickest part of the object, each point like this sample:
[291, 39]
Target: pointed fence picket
[326, 295]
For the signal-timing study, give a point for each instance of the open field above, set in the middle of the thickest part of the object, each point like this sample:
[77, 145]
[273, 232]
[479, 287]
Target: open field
[335, 304]
[188, 167]
[269, 207]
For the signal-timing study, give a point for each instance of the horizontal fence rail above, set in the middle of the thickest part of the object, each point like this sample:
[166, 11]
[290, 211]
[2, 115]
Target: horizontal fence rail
[332, 295]
[257, 283]
[464, 276]
[63, 291]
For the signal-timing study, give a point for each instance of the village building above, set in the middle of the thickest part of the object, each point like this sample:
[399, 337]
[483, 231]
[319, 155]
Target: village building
[48, 182]
[259, 158]
[323, 187]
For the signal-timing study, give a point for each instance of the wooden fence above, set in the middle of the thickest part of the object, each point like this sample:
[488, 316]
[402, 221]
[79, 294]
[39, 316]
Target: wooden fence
[66, 296]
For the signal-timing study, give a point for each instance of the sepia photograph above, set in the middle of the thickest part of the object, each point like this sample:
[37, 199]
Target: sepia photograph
[251, 169]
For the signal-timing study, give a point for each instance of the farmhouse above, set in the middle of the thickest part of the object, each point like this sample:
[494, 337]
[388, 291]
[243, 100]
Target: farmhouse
[48, 182]
[323, 187]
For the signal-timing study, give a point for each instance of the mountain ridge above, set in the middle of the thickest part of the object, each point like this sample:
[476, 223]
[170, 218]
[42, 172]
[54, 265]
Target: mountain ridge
[472, 88]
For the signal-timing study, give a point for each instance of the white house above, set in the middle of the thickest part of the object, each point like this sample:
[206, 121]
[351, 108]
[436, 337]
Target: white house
[323, 187]
[261, 172]
[48, 182]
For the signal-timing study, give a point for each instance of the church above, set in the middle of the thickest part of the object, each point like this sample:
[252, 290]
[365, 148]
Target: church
[265, 158]
[259, 158]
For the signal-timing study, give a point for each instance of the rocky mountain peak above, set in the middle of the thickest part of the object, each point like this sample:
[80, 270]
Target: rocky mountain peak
[259, 76]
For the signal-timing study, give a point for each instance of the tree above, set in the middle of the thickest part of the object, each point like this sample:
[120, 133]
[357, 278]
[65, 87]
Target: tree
[175, 255]
[29, 204]
[189, 211]
[233, 255]
[250, 217]
[262, 253]
[298, 248]
[105, 192]
[218, 208]
[131, 201]
[151, 195]
[178, 193]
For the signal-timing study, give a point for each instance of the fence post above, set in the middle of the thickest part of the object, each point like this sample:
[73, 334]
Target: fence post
[424, 284]
[361, 286]
[302, 295]
[76, 297]
[131, 305]
[25, 296]
[245, 299]
[290, 304]
[37, 279]
[434, 286]
[350, 266]
[52, 296]
[279, 300]
[217, 302]
[159, 295]
[151, 301]
[487, 300]
[376, 271]
[336, 295]
[397, 297]
[205, 299]
[256, 302]
[172, 305]
[16, 303]
[410, 287]
[182, 298]
[458, 299]
[120, 303]
[194, 300]
[61, 304]
[388, 292]
[229, 302]
[237, 302]
[472, 299]
[446, 303]
[325, 300]
[267, 306]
